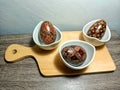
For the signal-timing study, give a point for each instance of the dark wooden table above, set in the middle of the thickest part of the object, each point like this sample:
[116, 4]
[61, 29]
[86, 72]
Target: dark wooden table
[25, 75]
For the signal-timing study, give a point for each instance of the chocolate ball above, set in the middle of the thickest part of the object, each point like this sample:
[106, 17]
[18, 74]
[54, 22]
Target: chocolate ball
[97, 30]
[74, 55]
[47, 32]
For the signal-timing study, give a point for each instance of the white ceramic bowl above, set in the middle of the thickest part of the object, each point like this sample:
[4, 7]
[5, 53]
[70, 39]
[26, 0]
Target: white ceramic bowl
[95, 41]
[40, 43]
[90, 53]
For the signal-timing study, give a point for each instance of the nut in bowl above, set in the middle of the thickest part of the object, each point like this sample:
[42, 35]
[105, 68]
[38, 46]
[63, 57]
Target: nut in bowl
[41, 43]
[96, 32]
[77, 54]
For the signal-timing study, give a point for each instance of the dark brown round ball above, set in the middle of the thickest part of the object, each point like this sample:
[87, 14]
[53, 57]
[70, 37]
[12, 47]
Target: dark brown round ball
[47, 32]
[74, 54]
[97, 30]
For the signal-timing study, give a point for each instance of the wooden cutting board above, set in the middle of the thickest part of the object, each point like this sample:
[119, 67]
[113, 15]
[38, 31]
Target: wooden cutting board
[50, 64]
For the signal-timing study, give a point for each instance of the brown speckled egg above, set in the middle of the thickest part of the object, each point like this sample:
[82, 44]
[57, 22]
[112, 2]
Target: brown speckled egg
[97, 30]
[75, 55]
[47, 32]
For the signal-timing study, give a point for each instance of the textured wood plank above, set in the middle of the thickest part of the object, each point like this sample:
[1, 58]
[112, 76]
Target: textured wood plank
[24, 75]
[49, 61]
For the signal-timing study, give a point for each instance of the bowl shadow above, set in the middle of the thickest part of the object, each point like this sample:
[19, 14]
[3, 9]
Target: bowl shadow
[63, 69]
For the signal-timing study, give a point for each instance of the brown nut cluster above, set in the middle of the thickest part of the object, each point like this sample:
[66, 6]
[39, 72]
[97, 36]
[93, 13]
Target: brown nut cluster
[74, 55]
[97, 30]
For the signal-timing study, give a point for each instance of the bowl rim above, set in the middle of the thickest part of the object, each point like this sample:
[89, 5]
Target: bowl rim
[46, 45]
[107, 28]
[78, 67]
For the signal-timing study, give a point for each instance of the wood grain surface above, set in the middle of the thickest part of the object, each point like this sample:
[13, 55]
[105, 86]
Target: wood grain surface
[25, 75]
[50, 63]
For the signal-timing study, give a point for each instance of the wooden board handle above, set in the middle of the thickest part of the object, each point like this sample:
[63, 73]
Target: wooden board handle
[16, 52]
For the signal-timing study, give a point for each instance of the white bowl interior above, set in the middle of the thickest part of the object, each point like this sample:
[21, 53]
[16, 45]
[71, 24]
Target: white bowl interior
[90, 51]
[106, 36]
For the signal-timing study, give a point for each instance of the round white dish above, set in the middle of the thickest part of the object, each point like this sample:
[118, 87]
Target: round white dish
[40, 42]
[94, 41]
[90, 53]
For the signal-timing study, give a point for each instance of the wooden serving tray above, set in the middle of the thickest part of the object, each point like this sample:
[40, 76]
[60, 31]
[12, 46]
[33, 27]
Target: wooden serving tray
[50, 64]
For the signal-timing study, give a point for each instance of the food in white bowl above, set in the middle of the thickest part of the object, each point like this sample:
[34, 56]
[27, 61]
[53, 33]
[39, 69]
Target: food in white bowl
[47, 32]
[98, 29]
[45, 42]
[77, 54]
[97, 32]
[74, 54]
